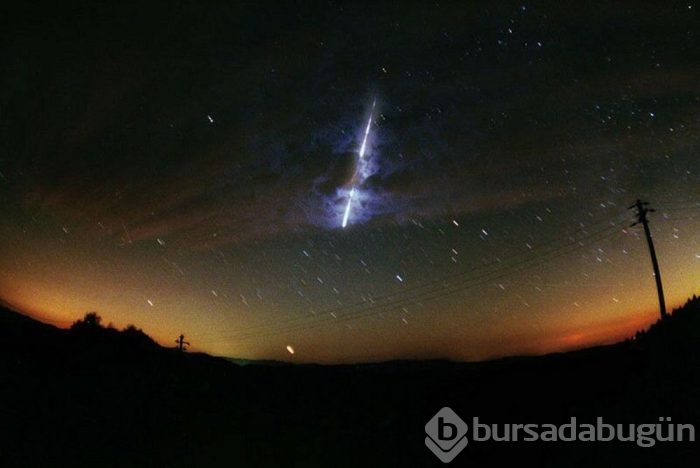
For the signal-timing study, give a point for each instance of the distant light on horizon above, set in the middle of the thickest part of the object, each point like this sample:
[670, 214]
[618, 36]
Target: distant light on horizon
[483, 199]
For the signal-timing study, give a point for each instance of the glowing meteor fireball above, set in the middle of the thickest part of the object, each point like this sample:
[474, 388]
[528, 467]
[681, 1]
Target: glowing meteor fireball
[346, 215]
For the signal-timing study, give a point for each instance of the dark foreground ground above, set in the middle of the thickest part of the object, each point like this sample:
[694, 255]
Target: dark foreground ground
[106, 398]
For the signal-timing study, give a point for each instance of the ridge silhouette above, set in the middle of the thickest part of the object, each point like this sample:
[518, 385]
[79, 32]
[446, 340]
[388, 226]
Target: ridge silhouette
[93, 395]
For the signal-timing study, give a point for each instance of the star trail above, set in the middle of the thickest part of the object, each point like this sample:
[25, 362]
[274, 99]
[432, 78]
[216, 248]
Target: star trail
[227, 174]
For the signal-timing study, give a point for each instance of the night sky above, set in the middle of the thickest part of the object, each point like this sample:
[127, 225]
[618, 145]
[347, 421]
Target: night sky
[186, 169]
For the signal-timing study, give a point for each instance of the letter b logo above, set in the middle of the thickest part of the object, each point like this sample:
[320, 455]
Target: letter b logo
[446, 435]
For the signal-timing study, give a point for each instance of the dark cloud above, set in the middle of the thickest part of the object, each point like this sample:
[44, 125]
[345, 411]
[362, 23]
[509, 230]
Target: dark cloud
[106, 112]
[187, 168]
[340, 171]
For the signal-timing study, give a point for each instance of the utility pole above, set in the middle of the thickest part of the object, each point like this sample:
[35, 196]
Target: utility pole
[181, 343]
[642, 210]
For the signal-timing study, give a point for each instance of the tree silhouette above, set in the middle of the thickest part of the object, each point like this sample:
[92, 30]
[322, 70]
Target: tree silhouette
[91, 322]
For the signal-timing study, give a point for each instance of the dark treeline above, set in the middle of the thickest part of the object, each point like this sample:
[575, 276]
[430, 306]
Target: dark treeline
[93, 395]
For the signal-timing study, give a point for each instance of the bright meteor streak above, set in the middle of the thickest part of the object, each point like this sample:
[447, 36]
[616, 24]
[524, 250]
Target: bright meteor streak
[364, 140]
[347, 207]
[362, 155]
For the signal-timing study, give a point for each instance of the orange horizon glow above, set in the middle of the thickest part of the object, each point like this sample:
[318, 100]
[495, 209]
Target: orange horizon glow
[559, 304]
[604, 333]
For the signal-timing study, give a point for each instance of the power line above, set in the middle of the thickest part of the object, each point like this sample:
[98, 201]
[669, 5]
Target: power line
[435, 285]
[642, 211]
[424, 297]
[415, 297]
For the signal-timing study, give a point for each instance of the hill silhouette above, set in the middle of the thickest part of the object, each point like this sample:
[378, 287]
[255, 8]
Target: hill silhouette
[96, 396]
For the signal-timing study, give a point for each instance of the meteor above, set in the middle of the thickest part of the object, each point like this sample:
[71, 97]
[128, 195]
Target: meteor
[362, 155]
[347, 207]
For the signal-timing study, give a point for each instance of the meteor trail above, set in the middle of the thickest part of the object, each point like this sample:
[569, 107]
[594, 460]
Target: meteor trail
[362, 155]
[347, 207]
